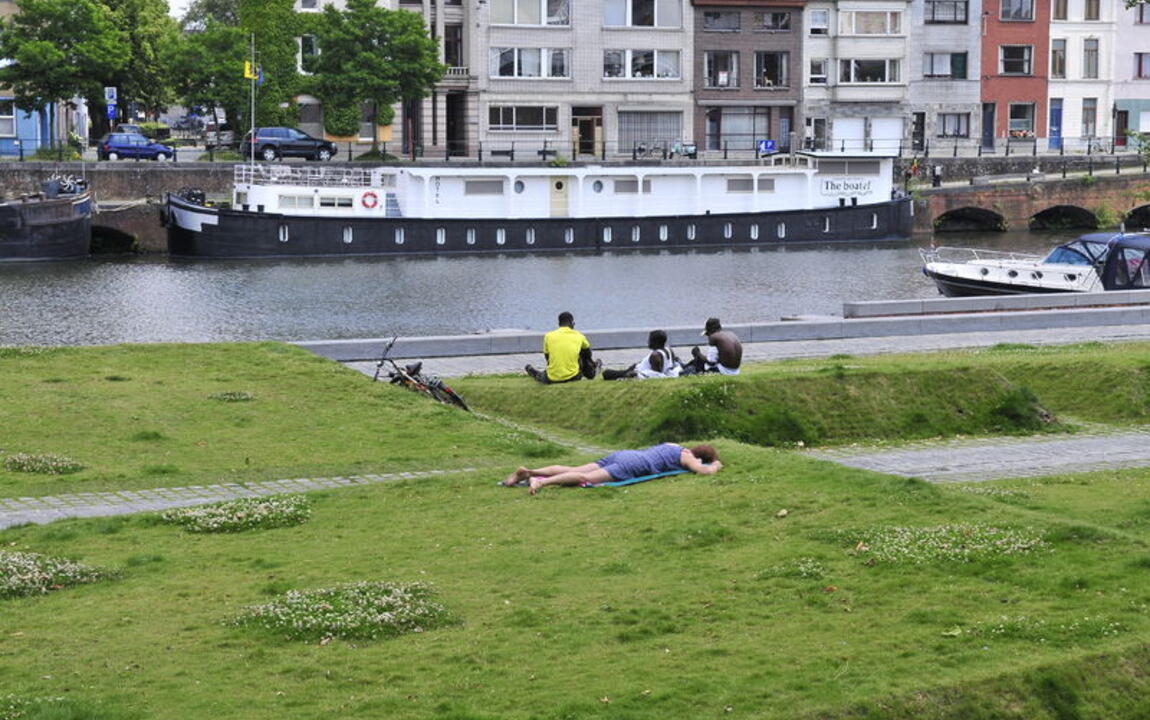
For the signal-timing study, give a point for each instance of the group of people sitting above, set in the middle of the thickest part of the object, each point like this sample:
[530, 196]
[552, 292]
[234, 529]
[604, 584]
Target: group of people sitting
[569, 358]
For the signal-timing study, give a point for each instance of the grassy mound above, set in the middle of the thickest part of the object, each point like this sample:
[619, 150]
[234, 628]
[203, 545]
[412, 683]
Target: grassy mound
[830, 404]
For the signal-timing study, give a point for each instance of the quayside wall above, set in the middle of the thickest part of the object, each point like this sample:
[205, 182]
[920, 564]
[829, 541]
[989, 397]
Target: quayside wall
[128, 193]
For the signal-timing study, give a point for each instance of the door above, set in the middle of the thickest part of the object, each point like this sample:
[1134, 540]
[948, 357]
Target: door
[586, 129]
[560, 186]
[918, 132]
[1055, 123]
[456, 125]
[1121, 127]
[988, 126]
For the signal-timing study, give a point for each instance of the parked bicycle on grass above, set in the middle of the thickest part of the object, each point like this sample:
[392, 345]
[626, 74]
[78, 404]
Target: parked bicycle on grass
[412, 377]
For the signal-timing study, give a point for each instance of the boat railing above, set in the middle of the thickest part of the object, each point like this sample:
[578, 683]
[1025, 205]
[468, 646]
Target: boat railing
[949, 254]
[312, 176]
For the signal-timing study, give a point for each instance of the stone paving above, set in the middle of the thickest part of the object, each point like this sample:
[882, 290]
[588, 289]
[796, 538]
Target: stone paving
[41, 510]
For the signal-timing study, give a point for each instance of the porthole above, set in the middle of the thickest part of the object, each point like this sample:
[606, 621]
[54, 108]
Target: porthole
[558, 184]
[1012, 273]
[691, 231]
[283, 233]
[1036, 275]
[529, 236]
[983, 271]
[347, 234]
[607, 235]
[662, 233]
[399, 236]
[500, 236]
[873, 221]
[569, 236]
[1072, 277]
[754, 231]
[597, 186]
[728, 230]
[519, 186]
[826, 223]
[781, 230]
[470, 236]
[440, 236]
[634, 233]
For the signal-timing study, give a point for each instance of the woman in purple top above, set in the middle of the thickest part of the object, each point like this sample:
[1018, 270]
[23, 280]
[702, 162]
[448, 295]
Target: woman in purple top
[621, 465]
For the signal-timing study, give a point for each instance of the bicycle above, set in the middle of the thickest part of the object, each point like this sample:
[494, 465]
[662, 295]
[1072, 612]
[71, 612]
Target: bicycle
[412, 378]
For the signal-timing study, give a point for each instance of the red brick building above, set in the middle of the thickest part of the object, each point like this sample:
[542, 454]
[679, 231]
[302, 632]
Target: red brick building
[1015, 68]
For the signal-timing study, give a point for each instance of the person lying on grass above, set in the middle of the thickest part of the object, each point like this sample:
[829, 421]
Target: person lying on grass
[621, 465]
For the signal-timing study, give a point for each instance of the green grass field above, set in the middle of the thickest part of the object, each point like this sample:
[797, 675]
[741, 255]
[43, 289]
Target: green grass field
[690, 597]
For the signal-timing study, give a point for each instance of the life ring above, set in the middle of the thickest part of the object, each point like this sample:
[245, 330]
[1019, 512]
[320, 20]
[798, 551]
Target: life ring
[369, 200]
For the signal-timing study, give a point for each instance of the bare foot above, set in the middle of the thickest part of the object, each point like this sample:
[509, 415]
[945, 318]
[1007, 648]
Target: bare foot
[535, 483]
[517, 477]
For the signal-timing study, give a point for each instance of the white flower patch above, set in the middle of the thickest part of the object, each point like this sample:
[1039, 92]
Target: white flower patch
[994, 492]
[1034, 629]
[42, 464]
[962, 542]
[356, 611]
[13, 707]
[24, 573]
[243, 514]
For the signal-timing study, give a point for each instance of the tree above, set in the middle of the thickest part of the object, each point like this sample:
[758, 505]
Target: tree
[149, 29]
[60, 49]
[274, 25]
[199, 12]
[207, 69]
[373, 54]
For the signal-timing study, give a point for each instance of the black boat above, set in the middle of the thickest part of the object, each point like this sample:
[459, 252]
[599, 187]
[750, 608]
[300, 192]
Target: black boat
[53, 224]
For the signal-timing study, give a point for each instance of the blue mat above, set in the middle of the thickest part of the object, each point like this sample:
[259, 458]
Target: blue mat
[635, 480]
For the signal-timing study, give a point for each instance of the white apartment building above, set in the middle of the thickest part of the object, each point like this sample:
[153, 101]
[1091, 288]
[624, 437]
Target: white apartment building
[1131, 60]
[856, 92]
[945, 73]
[1082, 47]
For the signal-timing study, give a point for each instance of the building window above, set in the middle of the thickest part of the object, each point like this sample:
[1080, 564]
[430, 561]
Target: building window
[868, 71]
[523, 118]
[773, 21]
[308, 4]
[1058, 58]
[1022, 119]
[1142, 13]
[720, 69]
[1089, 117]
[737, 127]
[531, 12]
[1015, 59]
[643, 13]
[818, 73]
[820, 22]
[8, 118]
[858, 22]
[483, 187]
[945, 11]
[954, 125]
[529, 63]
[1058, 12]
[308, 54]
[1090, 59]
[1017, 10]
[944, 65]
[1093, 10]
[721, 21]
[641, 64]
[772, 70]
[1141, 71]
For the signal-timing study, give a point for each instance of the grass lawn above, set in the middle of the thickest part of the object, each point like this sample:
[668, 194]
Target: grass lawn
[690, 597]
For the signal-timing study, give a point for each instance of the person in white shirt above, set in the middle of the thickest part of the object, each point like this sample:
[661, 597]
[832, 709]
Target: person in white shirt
[659, 363]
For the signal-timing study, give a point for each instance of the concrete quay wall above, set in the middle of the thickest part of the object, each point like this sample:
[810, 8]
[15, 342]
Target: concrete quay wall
[961, 320]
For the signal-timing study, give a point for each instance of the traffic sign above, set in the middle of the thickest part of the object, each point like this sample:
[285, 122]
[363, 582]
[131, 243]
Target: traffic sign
[111, 111]
[110, 95]
[766, 147]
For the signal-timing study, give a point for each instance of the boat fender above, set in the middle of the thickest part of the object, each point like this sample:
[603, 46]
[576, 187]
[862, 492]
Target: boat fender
[369, 200]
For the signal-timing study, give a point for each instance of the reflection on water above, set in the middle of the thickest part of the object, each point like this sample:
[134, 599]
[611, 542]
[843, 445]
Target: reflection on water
[157, 299]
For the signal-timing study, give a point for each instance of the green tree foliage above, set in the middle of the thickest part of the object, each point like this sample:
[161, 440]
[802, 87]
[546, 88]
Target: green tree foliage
[148, 29]
[207, 69]
[274, 24]
[61, 49]
[199, 12]
[373, 54]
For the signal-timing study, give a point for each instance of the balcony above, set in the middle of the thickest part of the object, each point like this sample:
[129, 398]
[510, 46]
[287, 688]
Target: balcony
[869, 92]
[457, 76]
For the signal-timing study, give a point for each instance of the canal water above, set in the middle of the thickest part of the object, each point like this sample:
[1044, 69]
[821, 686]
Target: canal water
[157, 299]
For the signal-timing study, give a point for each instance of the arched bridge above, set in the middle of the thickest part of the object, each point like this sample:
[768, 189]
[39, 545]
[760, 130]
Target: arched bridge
[1086, 201]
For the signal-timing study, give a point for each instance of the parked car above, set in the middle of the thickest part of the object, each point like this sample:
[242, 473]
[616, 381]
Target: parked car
[114, 146]
[219, 135]
[272, 143]
[129, 129]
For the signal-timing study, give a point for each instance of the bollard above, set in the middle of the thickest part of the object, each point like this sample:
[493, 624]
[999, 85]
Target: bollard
[1117, 165]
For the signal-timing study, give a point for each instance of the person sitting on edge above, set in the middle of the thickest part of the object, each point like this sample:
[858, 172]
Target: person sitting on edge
[724, 352]
[568, 354]
[621, 465]
[660, 363]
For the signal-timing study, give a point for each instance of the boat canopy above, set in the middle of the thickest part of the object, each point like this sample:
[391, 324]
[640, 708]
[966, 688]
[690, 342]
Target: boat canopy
[1086, 250]
[1128, 264]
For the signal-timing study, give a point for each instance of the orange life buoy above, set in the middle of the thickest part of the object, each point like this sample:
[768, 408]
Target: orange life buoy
[369, 200]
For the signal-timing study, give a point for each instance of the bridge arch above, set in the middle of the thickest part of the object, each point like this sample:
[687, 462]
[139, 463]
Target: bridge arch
[965, 219]
[1138, 218]
[1064, 217]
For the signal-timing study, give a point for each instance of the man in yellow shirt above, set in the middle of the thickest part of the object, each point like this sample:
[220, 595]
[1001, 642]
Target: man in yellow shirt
[568, 354]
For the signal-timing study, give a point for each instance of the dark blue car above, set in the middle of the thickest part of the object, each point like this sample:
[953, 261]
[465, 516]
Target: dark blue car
[114, 146]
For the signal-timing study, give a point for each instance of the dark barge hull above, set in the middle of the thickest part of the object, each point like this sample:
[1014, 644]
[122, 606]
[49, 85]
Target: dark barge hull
[46, 229]
[248, 234]
[951, 286]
